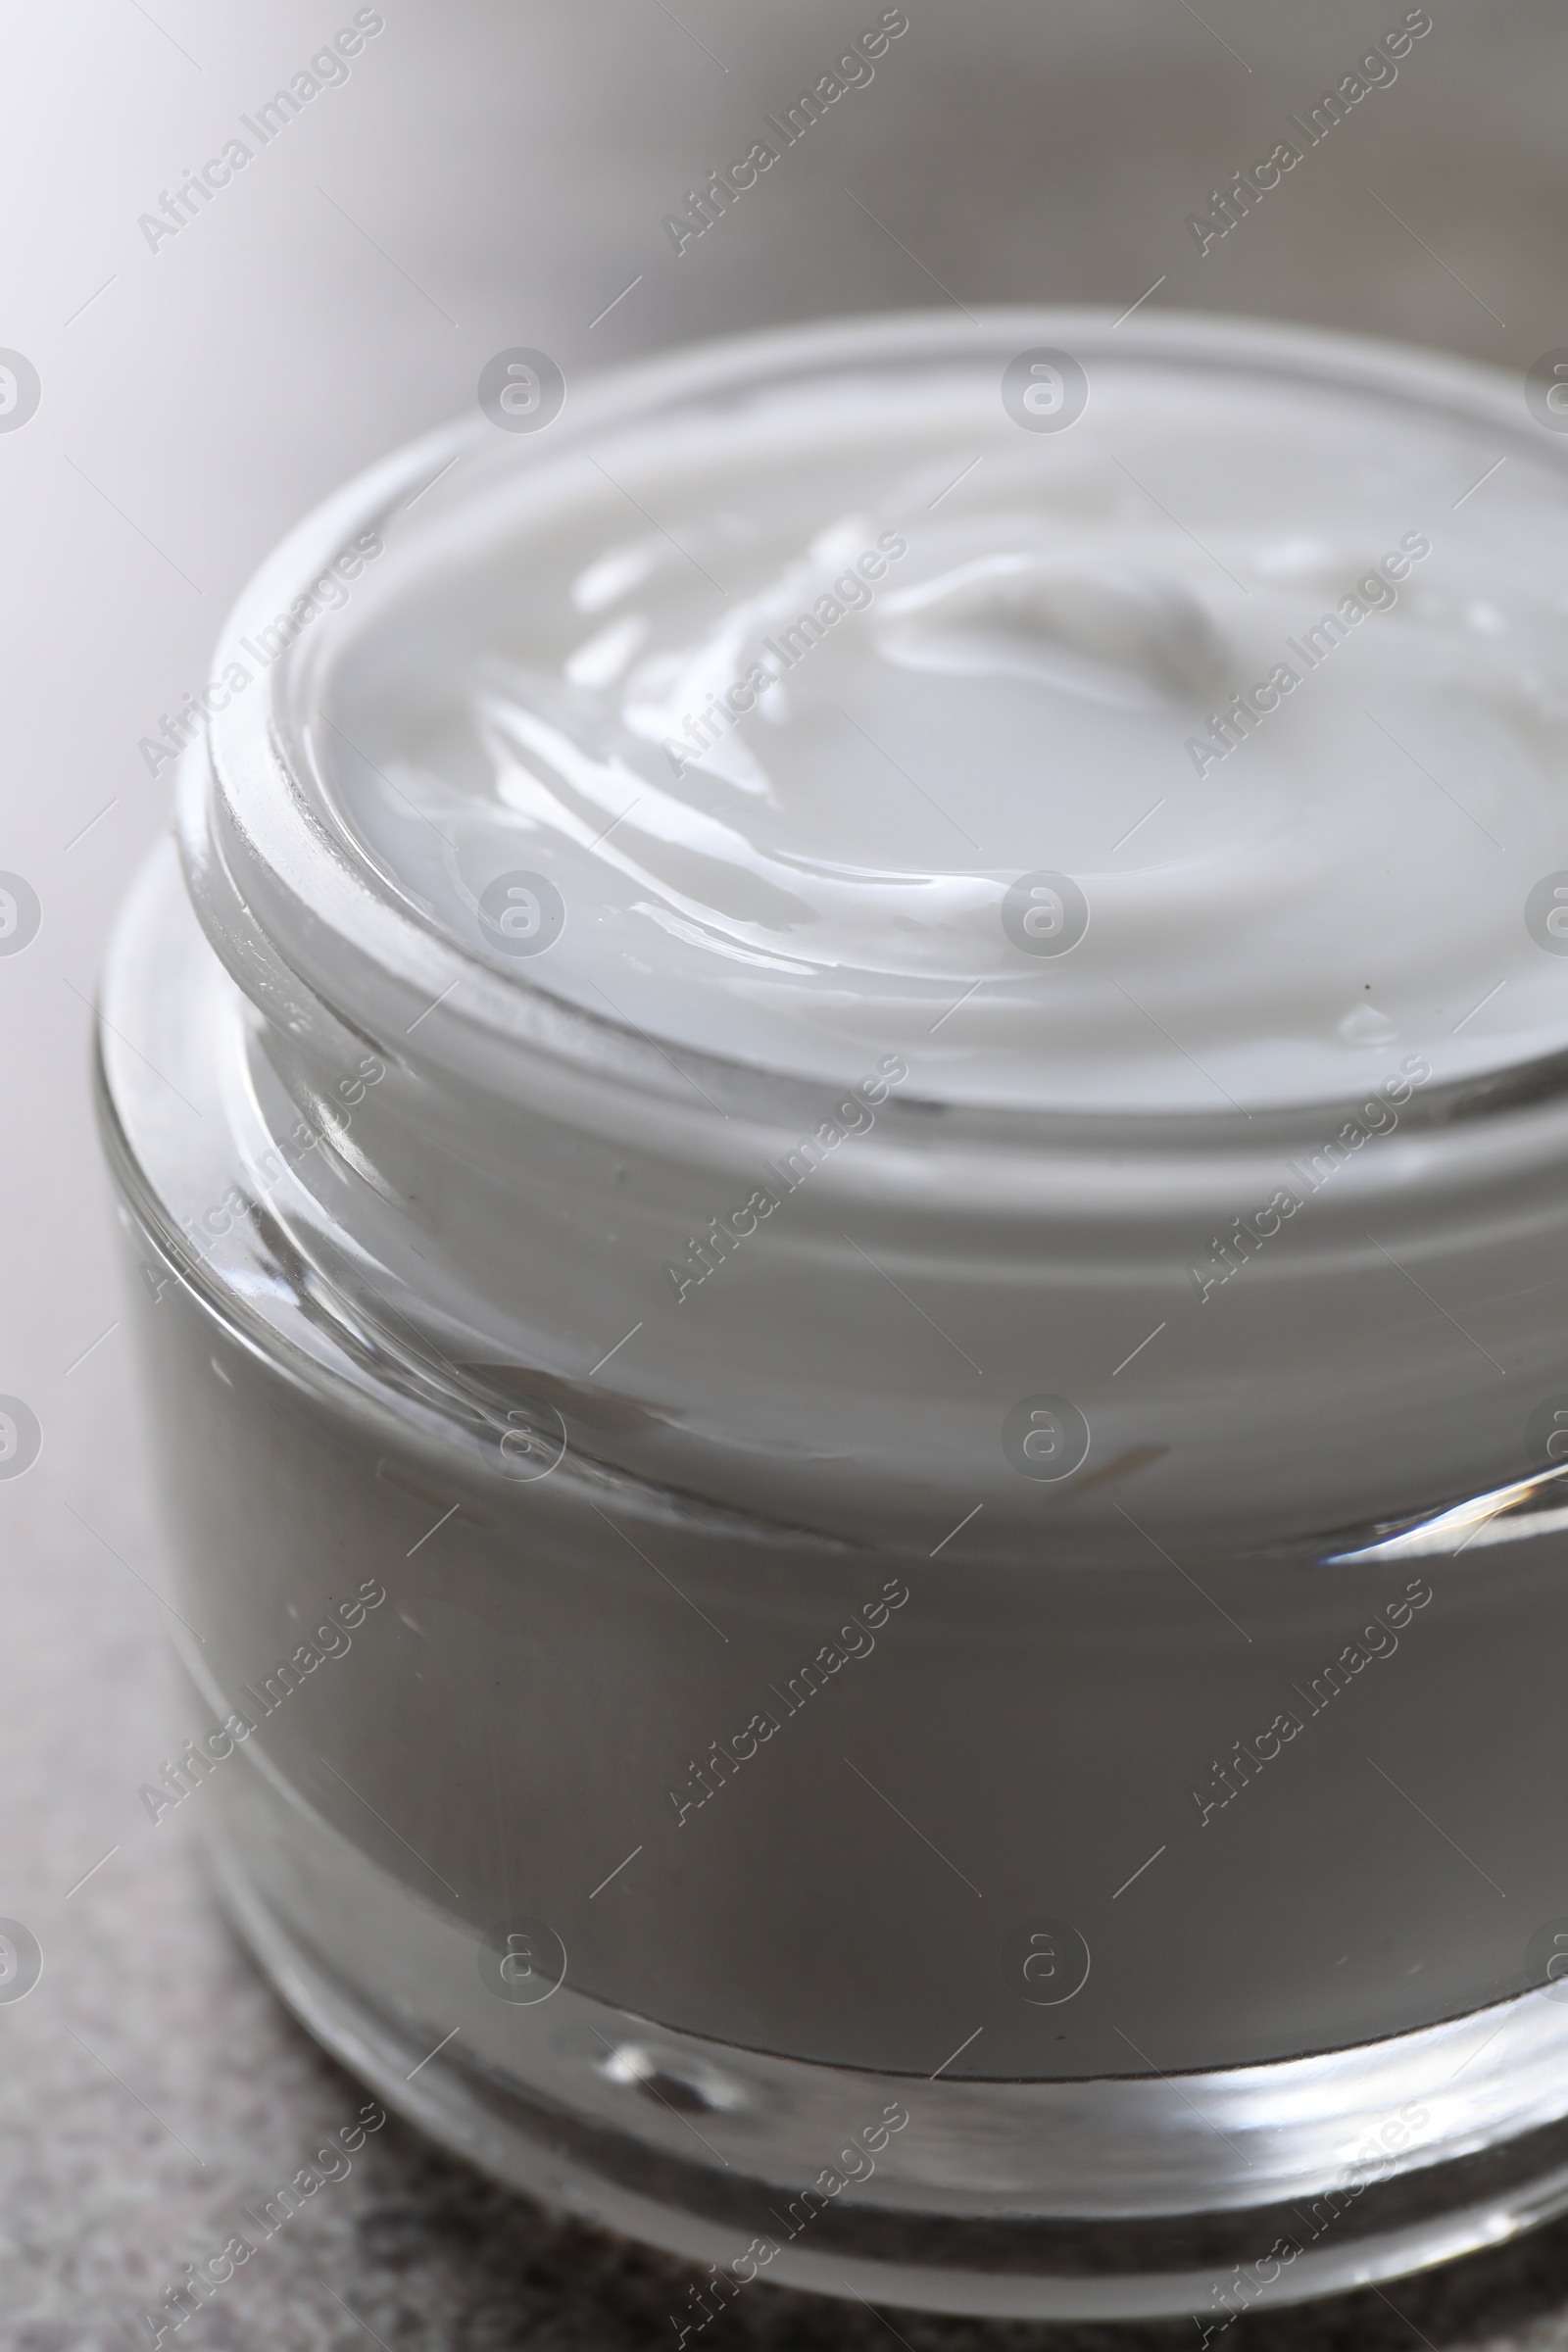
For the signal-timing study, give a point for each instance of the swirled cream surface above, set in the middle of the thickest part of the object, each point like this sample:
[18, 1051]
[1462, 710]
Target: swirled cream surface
[1204, 752]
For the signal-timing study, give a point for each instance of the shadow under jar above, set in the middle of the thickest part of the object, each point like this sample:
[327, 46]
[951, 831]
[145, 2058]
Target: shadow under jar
[842, 1127]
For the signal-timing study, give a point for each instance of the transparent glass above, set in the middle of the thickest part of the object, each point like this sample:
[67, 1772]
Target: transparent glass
[707, 1781]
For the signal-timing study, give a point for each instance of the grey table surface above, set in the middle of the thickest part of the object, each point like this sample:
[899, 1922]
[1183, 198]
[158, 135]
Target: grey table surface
[488, 176]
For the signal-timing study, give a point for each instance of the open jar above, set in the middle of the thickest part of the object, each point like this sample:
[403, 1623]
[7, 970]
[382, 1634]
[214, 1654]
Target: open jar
[850, 1301]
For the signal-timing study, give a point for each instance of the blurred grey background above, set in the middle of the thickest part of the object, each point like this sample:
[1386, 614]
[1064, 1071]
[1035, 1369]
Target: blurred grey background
[487, 176]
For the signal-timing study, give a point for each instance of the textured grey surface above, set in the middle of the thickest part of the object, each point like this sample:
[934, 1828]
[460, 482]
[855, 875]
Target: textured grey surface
[489, 176]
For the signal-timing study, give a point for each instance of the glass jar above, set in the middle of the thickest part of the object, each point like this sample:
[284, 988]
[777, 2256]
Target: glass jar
[893, 1688]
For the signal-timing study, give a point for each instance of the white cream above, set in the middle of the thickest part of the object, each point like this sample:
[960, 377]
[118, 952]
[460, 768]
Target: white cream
[1024, 642]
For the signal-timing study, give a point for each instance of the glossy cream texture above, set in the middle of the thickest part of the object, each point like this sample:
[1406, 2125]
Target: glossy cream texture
[784, 701]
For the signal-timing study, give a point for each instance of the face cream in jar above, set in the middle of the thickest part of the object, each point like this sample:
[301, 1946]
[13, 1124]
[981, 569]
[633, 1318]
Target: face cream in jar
[843, 1126]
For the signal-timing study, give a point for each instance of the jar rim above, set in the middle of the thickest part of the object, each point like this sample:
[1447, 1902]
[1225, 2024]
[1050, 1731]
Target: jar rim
[262, 850]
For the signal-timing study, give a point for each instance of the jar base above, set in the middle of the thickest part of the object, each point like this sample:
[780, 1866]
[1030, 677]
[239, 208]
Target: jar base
[992, 2261]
